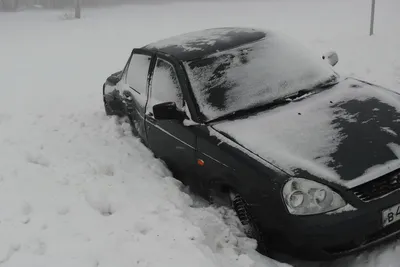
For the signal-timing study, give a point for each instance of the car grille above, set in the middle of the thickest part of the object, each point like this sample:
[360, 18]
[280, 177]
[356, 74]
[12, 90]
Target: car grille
[379, 187]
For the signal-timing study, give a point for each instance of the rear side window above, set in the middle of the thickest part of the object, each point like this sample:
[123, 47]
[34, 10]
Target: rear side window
[165, 85]
[138, 72]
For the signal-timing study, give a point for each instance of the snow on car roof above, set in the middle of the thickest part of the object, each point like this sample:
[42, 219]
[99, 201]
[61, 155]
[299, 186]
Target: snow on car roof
[197, 44]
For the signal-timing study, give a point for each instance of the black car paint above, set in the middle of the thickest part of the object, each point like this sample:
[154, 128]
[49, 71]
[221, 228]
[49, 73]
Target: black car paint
[360, 129]
[228, 165]
[171, 138]
[361, 134]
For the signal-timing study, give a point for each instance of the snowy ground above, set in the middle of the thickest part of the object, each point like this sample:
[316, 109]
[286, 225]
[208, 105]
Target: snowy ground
[76, 189]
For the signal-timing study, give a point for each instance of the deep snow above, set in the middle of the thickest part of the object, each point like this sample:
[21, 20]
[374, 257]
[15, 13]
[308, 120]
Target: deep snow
[76, 189]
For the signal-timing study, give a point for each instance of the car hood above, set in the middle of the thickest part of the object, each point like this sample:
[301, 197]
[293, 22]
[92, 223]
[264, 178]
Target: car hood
[348, 134]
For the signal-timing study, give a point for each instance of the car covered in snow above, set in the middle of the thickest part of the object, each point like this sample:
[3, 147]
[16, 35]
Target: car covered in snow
[251, 119]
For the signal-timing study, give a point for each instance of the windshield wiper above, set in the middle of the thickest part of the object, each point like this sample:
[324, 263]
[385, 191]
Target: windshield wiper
[298, 95]
[269, 105]
[277, 102]
[303, 93]
[331, 81]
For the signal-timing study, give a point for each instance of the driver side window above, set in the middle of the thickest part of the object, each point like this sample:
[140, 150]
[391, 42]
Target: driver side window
[165, 85]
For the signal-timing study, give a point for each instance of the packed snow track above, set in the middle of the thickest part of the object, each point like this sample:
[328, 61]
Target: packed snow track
[77, 189]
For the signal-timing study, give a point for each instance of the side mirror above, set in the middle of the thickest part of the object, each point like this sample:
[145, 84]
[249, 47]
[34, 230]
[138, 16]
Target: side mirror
[114, 78]
[332, 58]
[167, 111]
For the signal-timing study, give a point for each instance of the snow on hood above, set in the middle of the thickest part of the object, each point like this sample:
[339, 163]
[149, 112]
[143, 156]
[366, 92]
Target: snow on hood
[339, 134]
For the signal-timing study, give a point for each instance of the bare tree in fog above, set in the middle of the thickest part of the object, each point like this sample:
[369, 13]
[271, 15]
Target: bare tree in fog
[9, 5]
[78, 9]
[12, 5]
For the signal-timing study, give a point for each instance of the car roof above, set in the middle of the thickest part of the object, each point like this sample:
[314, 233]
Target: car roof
[198, 44]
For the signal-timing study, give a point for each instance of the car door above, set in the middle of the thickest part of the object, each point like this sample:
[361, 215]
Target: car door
[135, 88]
[170, 140]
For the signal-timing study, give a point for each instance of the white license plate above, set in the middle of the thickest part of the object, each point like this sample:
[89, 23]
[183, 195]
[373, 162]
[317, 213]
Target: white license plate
[391, 215]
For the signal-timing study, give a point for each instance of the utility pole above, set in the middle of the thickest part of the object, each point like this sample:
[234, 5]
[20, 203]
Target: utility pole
[78, 9]
[371, 28]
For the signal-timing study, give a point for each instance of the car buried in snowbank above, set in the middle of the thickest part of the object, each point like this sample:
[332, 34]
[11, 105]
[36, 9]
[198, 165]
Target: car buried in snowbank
[249, 118]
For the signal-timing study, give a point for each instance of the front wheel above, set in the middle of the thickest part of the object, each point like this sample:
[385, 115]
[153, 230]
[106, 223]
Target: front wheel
[249, 223]
[113, 106]
[107, 108]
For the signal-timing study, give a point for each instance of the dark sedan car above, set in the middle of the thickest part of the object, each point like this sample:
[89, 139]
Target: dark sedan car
[309, 160]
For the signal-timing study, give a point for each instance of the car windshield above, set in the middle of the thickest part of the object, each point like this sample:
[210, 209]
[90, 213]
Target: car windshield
[254, 75]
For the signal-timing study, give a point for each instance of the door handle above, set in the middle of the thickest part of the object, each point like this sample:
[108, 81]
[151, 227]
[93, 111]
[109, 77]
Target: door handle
[150, 117]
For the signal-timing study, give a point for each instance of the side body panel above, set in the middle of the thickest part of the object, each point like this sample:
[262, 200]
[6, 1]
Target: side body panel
[227, 164]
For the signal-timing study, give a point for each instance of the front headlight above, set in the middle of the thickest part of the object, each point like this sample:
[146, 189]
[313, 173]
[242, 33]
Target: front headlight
[306, 197]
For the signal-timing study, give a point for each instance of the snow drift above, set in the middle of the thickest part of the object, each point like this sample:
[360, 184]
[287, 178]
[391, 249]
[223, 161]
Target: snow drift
[76, 189]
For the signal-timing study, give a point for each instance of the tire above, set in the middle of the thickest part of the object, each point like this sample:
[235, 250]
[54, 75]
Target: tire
[251, 227]
[107, 108]
[113, 106]
[133, 128]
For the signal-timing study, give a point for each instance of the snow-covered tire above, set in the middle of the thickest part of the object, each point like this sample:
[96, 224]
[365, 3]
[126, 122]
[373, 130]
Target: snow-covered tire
[133, 127]
[249, 223]
[113, 106]
[107, 108]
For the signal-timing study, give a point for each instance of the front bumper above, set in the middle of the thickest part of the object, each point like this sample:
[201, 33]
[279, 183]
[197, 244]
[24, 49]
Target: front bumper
[326, 237]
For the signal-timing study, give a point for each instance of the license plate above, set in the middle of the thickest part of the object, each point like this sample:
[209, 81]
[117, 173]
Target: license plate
[391, 215]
